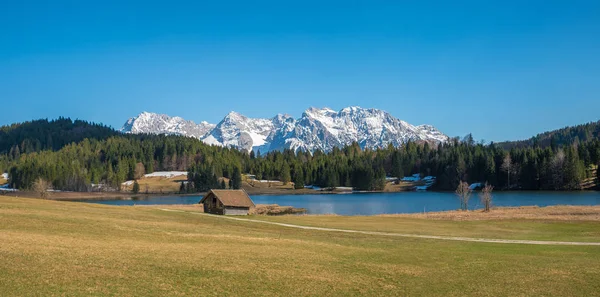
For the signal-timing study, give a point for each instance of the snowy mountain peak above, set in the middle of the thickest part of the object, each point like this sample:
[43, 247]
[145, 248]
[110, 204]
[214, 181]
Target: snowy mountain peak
[351, 109]
[317, 129]
[234, 115]
[153, 123]
[319, 112]
[280, 119]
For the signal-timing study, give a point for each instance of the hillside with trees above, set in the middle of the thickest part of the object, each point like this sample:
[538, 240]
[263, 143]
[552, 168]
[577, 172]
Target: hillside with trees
[38, 135]
[110, 158]
[562, 137]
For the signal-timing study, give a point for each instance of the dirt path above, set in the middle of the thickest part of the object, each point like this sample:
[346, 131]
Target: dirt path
[468, 239]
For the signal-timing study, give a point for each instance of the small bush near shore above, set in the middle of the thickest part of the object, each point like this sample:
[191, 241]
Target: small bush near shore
[274, 210]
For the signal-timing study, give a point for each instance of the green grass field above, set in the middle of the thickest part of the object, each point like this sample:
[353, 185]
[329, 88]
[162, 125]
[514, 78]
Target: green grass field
[76, 249]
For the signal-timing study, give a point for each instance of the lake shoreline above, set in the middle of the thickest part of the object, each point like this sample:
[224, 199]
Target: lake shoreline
[559, 211]
[124, 196]
[359, 204]
[69, 196]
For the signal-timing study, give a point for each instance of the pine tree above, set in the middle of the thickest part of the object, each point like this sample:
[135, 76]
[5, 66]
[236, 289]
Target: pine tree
[109, 174]
[574, 171]
[379, 180]
[362, 178]
[136, 187]
[397, 166]
[214, 182]
[182, 188]
[298, 177]
[17, 153]
[236, 179]
[285, 174]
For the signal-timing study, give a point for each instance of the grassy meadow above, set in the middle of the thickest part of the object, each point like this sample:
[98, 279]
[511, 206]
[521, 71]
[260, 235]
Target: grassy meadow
[51, 248]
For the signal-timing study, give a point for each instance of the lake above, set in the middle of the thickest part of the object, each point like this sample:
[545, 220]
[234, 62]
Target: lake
[386, 203]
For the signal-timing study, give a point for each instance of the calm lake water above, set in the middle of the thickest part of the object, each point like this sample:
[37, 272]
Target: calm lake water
[387, 203]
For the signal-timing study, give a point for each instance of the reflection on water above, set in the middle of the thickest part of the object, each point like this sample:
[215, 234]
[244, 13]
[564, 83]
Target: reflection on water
[386, 203]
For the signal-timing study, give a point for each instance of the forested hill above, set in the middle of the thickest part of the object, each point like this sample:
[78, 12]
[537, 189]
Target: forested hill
[73, 155]
[561, 137]
[38, 135]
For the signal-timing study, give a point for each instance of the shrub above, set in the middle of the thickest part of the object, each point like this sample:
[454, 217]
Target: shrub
[486, 197]
[40, 186]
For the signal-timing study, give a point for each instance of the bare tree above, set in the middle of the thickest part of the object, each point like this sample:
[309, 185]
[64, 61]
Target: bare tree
[507, 167]
[558, 169]
[41, 186]
[174, 162]
[140, 170]
[463, 191]
[486, 197]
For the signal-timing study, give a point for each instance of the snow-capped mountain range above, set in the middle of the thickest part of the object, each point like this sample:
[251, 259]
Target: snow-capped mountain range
[153, 123]
[317, 129]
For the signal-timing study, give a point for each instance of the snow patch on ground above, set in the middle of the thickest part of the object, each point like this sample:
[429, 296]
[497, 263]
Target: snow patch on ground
[317, 188]
[268, 181]
[344, 188]
[167, 174]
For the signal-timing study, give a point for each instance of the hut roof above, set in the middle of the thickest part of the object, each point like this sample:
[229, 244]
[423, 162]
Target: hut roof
[233, 198]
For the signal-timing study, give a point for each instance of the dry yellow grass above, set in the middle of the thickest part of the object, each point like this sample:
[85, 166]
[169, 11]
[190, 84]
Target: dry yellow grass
[401, 187]
[548, 213]
[158, 184]
[553, 223]
[51, 248]
[184, 207]
[269, 185]
[559, 212]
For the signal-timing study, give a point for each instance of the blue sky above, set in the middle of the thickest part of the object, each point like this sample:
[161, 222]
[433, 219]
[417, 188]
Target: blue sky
[499, 69]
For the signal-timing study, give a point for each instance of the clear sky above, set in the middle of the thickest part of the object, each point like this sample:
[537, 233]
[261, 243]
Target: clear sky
[499, 69]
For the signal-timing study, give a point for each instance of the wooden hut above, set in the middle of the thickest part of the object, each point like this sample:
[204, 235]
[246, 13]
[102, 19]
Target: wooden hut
[227, 202]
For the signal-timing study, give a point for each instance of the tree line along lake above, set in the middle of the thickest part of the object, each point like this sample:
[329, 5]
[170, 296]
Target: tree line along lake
[384, 203]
